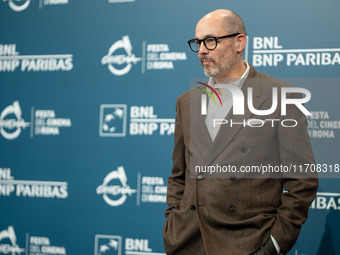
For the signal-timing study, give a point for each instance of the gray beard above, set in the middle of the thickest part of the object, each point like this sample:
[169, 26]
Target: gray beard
[218, 70]
[212, 73]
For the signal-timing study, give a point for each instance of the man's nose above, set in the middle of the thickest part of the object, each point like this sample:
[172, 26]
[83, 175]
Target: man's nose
[202, 49]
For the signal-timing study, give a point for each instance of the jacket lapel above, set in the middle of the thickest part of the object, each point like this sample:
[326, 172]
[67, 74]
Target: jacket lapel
[227, 132]
[200, 140]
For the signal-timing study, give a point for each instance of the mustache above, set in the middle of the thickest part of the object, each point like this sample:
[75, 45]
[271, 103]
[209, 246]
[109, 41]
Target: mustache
[206, 57]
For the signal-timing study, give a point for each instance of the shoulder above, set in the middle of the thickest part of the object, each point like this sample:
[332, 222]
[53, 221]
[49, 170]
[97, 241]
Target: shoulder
[267, 80]
[189, 96]
[264, 85]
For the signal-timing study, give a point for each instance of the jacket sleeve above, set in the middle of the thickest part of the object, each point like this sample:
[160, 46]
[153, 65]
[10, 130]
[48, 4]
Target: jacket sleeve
[176, 181]
[294, 149]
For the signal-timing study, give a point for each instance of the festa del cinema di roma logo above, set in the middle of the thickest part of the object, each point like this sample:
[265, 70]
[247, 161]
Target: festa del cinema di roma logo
[43, 122]
[10, 128]
[155, 56]
[18, 5]
[238, 104]
[11, 246]
[34, 244]
[120, 64]
[21, 5]
[114, 188]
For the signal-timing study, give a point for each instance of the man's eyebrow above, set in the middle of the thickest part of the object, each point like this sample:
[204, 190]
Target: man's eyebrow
[208, 35]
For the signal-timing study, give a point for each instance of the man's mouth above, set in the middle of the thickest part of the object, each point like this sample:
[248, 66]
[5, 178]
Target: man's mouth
[205, 61]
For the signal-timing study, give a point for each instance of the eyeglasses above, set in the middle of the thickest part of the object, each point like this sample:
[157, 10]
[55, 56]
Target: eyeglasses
[209, 42]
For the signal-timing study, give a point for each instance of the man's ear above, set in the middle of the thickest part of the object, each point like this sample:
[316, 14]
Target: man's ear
[241, 42]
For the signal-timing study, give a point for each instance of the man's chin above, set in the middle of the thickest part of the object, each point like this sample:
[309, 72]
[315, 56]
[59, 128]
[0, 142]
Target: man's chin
[209, 73]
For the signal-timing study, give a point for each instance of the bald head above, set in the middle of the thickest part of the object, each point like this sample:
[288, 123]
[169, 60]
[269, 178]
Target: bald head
[225, 19]
[223, 56]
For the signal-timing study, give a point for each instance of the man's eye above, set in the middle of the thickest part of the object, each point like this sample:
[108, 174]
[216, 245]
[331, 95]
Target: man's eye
[209, 40]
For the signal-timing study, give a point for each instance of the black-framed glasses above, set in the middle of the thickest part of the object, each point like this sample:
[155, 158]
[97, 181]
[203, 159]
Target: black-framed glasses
[209, 42]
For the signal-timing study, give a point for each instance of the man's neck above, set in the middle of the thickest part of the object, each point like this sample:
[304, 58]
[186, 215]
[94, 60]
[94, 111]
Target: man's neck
[232, 76]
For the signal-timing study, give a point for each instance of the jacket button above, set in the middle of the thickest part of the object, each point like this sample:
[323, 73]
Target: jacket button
[233, 178]
[199, 177]
[192, 207]
[190, 153]
[232, 208]
[244, 150]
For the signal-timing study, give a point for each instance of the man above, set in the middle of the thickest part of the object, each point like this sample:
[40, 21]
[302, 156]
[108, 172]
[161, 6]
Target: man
[228, 213]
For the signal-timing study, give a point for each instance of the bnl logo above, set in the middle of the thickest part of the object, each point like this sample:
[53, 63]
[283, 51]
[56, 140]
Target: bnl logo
[108, 245]
[113, 120]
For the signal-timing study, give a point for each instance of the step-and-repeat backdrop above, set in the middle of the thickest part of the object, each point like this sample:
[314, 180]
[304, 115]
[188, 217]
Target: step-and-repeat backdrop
[87, 108]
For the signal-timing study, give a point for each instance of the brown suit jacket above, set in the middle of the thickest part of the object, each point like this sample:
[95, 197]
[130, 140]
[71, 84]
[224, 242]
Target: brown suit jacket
[237, 213]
